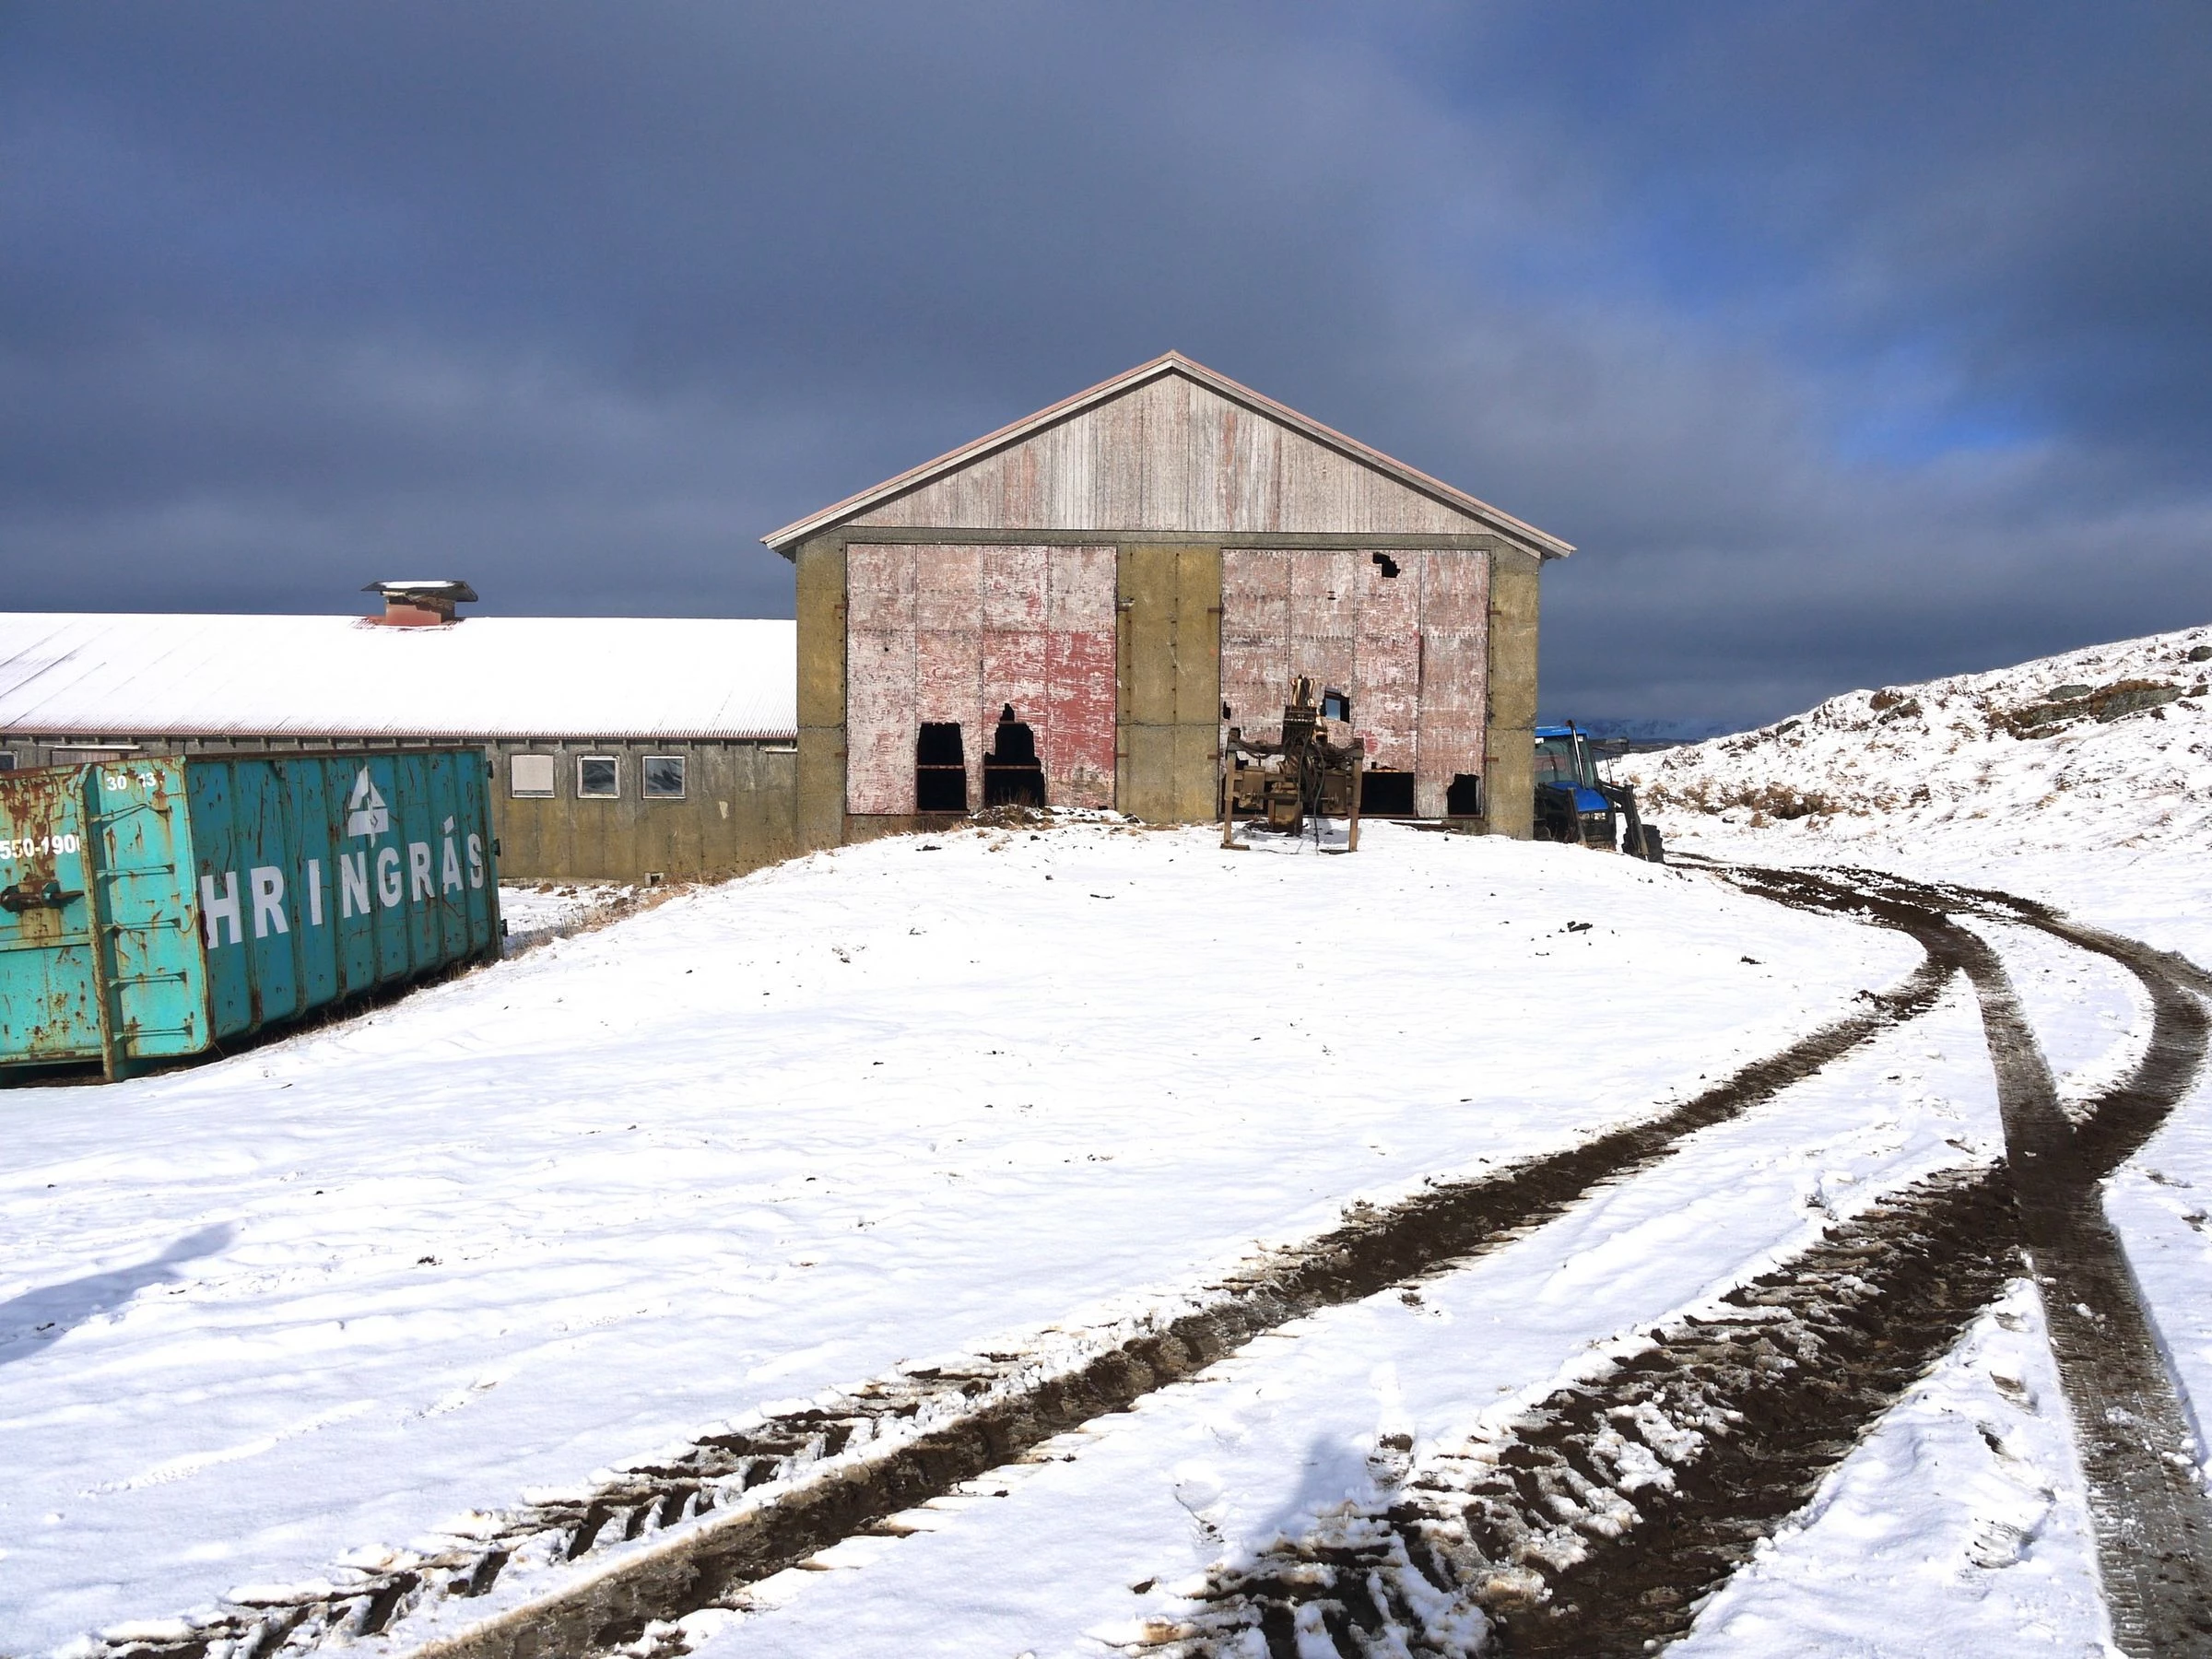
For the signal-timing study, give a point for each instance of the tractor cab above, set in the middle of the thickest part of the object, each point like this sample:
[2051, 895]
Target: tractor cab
[1576, 805]
[1564, 761]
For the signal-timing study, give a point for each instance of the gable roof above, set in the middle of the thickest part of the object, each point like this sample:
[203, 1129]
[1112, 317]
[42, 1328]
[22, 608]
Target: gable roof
[1456, 503]
[644, 678]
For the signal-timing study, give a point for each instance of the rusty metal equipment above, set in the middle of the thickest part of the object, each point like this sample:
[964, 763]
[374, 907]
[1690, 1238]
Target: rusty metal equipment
[1310, 773]
[152, 906]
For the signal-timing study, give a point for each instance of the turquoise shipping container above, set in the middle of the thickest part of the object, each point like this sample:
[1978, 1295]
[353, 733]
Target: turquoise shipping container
[151, 908]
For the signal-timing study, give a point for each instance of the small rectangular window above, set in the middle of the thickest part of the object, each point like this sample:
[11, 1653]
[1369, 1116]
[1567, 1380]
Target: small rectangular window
[663, 777]
[8, 759]
[598, 778]
[529, 775]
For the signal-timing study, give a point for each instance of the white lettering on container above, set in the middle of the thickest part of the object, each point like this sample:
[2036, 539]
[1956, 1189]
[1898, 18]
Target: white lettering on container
[268, 902]
[475, 861]
[314, 892]
[353, 884]
[418, 868]
[214, 910]
[387, 876]
[449, 869]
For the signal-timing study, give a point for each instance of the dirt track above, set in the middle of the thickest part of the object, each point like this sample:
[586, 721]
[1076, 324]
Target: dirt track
[1772, 1397]
[1554, 1540]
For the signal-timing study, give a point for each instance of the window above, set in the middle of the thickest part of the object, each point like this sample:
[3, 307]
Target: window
[529, 775]
[663, 777]
[598, 778]
[8, 759]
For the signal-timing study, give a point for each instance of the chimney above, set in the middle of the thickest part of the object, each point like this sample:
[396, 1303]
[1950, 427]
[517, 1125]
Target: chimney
[423, 604]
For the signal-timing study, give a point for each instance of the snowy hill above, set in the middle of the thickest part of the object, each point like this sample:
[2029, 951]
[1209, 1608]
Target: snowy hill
[2107, 747]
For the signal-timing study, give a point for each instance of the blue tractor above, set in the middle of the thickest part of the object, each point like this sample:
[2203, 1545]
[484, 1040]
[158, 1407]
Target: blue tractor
[1575, 804]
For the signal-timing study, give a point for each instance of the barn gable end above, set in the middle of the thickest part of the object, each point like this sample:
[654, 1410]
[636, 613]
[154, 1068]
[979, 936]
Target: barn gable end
[1171, 448]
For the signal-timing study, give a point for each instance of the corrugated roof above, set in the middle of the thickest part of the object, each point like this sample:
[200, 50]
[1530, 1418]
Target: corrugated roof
[1173, 362]
[338, 676]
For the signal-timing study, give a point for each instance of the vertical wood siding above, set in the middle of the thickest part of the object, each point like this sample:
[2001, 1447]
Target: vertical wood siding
[942, 632]
[1173, 455]
[1411, 650]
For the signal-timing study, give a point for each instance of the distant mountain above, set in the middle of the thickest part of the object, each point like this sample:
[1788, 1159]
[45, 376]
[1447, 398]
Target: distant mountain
[1648, 732]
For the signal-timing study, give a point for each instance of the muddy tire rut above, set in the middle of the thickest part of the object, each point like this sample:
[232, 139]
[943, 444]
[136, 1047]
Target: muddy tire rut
[1592, 1523]
[587, 1574]
[1596, 1523]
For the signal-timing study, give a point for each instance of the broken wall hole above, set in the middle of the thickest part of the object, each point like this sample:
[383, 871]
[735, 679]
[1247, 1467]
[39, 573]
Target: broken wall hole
[1464, 799]
[940, 768]
[1386, 564]
[1386, 794]
[1013, 776]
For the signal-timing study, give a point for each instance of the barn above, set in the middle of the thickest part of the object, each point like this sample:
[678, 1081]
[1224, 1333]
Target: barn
[1074, 610]
[622, 749]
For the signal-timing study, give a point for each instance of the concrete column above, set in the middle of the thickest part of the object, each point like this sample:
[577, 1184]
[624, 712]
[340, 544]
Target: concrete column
[1509, 759]
[818, 808]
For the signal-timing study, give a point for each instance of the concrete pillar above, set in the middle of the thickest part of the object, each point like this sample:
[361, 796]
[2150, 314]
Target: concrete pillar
[1509, 759]
[819, 809]
[1168, 682]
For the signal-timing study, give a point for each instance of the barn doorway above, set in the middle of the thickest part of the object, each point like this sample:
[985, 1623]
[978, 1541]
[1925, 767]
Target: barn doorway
[1385, 793]
[1013, 776]
[940, 768]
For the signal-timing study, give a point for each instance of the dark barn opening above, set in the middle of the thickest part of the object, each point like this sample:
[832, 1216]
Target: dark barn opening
[1012, 773]
[940, 768]
[1464, 799]
[1386, 794]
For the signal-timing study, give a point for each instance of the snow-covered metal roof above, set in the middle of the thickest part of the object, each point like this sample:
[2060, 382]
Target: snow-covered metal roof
[343, 676]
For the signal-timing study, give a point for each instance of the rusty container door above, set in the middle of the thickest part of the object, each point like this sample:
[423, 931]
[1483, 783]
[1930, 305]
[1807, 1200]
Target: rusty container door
[152, 978]
[1169, 674]
[49, 987]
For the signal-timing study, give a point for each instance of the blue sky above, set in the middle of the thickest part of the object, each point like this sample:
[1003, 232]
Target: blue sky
[1850, 343]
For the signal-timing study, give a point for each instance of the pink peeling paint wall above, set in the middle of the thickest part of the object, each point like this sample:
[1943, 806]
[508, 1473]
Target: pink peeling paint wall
[1410, 649]
[956, 634]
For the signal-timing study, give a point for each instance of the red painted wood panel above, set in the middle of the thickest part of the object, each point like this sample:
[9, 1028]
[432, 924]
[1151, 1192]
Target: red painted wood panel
[957, 634]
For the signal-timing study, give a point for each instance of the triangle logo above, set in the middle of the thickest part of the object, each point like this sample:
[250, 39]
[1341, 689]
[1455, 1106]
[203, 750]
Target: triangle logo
[366, 812]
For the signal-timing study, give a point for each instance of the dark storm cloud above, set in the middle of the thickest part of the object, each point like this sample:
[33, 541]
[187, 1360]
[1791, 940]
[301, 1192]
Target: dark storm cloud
[1850, 342]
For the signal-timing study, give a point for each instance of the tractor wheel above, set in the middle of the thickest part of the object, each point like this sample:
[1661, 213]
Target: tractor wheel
[1653, 848]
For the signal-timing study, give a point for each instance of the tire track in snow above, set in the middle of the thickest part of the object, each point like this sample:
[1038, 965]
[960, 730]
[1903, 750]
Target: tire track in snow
[582, 1572]
[2138, 1447]
[1597, 1522]
[1590, 1523]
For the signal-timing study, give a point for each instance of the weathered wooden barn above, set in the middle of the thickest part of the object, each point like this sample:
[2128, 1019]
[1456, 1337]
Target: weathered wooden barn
[1074, 608]
[622, 749]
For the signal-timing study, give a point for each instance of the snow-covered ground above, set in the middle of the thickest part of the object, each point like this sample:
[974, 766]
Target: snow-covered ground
[537, 910]
[775, 1137]
[1109, 1529]
[770, 1139]
[2084, 781]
